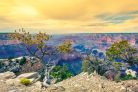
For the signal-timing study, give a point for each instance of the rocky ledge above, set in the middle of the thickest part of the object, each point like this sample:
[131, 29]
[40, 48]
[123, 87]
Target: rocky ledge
[83, 82]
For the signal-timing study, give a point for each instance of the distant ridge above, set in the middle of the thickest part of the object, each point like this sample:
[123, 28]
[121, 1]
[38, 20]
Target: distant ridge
[99, 41]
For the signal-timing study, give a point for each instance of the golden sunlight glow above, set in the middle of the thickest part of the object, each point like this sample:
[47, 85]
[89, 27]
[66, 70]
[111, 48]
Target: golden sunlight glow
[69, 16]
[24, 11]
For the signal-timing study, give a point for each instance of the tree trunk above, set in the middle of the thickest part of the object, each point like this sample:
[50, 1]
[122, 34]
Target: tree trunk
[47, 69]
[46, 76]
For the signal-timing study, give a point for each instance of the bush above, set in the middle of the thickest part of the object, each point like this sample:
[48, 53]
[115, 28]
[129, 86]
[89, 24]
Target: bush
[23, 61]
[25, 81]
[60, 73]
[117, 77]
[122, 51]
[91, 64]
[0, 64]
[85, 64]
[127, 77]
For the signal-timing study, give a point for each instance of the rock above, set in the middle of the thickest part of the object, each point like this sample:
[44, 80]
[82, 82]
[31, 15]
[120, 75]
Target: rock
[38, 85]
[29, 75]
[7, 75]
[84, 83]
[79, 83]
[16, 82]
[128, 85]
[61, 88]
[129, 90]
[103, 85]
[14, 91]
[123, 89]
[13, 82]
[53, 81]
[53, 87]
[46, 82]
[14, 66]
[135, 89]
[33, 76]
[110, 74]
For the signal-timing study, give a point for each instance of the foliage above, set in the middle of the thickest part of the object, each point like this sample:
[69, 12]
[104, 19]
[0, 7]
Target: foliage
[39, 41]
[117, 65]
[23, 61]
[91, 64]
[25, 81]
[0, 64]
[30, 40]
[65, 47]
[85, 64]
[118, 51]
[131, 72]
[136, 62]
[60, 73]
[117, 77]
[128, 77]
[123, 51]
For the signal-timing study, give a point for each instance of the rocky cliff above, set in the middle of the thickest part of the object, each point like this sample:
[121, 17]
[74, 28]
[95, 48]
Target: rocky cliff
[80, 83]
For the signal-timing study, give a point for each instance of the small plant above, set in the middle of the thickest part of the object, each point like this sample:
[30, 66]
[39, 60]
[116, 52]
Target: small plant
[117, 77]
[60, 73]
[0, 64]
[85, 64]
[130, 74]
[23, 61]
[127, 77]
[25, 81]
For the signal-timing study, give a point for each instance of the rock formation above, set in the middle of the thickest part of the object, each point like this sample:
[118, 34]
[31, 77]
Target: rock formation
[83, 82]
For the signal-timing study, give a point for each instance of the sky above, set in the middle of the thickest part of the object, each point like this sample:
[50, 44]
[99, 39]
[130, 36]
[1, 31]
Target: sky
[69, 16]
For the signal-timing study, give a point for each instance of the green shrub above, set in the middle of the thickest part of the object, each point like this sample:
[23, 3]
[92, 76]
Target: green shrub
[60, 73]
[91, 64]
[0, 64]
[117, 77]
[85, 64]
[23, 61]
[25, 81]
[128, 77]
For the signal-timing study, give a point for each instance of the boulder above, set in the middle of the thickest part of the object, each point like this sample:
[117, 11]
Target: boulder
[38, 85]
[53, 81]
[122, 89]
[53, 87]
[32, 75]
[110, 74]
[15, 90]
[7, 75]
[14, 67]
[13, 82]
[61, 88]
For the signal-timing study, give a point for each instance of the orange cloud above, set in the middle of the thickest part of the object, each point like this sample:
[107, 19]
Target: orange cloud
[70, 15]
